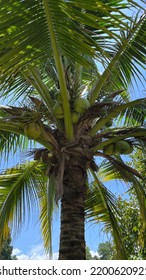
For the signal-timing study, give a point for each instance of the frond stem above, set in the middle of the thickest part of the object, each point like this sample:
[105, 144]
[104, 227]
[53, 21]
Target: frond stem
[60, 70]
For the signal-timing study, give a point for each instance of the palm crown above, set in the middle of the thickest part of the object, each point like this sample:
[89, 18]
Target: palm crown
[50, 55]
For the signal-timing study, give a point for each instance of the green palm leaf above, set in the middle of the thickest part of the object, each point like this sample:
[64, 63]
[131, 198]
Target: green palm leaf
[115, 168]
[112, 170]
[126, 54]
[47, 207]
[10, 143]
[101, 206]
[20, 189]
[133, 116]
[114, 112]
[66, 18]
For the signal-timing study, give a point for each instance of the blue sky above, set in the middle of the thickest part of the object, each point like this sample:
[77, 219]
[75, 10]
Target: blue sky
[28, 244]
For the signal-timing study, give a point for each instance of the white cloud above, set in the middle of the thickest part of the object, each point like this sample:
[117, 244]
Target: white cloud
[55, 256]
[93, 254]
[22, 257]
[35, 253]
[16, 251]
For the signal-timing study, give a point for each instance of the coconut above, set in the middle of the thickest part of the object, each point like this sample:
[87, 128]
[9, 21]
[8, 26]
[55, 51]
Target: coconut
[58, 96]
[122, 147]
[109, 149]
[75, 117]
[109, 123]
[129, 151]
[32, 130]
[81, 105]
[58, 111]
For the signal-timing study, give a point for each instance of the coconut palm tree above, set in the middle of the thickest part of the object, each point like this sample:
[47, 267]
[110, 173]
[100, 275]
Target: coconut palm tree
[51, 56]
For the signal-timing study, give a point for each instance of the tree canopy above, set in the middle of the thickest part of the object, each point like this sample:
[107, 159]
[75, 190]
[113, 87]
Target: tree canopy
[6, 250]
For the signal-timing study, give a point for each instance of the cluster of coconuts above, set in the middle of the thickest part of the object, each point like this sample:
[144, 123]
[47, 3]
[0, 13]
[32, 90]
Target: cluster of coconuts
[32, 130]
[120, 147]
[79, 105]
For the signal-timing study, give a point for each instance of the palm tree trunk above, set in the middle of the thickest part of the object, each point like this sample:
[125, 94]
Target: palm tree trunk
[72, 237]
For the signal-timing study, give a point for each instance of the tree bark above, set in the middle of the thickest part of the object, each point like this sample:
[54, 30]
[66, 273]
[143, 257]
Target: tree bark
[72, 237]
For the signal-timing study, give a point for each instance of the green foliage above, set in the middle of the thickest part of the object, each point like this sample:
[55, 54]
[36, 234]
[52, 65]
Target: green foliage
[106, 251]
[89, 256]
[6, 250]
[139, 163]
[131, 226]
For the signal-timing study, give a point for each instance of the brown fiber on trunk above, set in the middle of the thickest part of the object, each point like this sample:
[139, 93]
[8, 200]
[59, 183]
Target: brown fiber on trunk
[72, 239]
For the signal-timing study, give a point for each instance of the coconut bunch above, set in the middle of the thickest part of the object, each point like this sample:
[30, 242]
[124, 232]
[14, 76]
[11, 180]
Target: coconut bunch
[122, 147]
[79, 106]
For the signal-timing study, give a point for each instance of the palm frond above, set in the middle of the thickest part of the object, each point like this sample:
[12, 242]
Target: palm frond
[34, 78]
[24, 30]
[19, 193]
[131, 49]
[133, 116]
[47, 207]
[114, 112]
[101, 206]
[29, 21]
[50, 15]
[10, 143]
[116, 169]
[111, 171]
[8, 125]
[134, 54]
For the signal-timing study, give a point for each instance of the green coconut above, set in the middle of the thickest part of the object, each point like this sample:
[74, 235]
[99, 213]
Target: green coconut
[122, 147]
[75, 117]
[58, 111]
[130, 150]
[58, 96]
[109, 123]
[32, 130]
[81, 105]
[109, 149]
